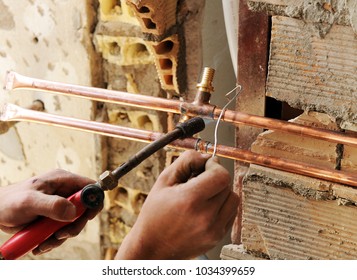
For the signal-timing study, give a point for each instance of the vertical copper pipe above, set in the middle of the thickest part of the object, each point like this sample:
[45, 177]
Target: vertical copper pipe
[11, 112]
[16, 81]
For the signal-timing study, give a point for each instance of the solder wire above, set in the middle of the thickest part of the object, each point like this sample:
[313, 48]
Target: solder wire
[238, 89]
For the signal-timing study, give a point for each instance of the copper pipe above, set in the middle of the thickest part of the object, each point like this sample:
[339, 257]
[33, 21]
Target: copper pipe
[10, 112]
[17, 81]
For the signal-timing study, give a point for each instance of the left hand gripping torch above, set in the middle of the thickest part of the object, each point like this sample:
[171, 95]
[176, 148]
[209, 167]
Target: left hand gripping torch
[92, 195]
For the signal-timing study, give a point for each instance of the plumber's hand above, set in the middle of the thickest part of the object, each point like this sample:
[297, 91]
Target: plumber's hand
[43, 195]
[188, 211]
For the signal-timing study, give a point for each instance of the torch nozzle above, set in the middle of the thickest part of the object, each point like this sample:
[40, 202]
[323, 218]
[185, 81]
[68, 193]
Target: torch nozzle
[109, 179]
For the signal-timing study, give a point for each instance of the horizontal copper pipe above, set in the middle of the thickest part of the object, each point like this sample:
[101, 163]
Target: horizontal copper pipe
[17, 81]
[10, 112]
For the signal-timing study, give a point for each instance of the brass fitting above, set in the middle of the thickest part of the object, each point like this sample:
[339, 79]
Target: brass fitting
[107, 180]
[205, 87]
[203, 95]
[206, 80]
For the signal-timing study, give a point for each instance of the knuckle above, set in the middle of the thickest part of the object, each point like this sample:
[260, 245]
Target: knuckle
[189, 153]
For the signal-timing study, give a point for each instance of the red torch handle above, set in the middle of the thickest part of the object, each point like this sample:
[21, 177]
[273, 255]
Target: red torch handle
[34, 234]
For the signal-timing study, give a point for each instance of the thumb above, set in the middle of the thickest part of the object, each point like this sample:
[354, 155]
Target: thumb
[54, 207]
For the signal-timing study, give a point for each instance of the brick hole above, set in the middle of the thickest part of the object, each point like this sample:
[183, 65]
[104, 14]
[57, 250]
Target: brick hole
[35, 40]
[149, 24]
[145, 122]
[137, 49]
[169, 79]
[173, 159]
[109, 6]
[138, 202]
[276, 109]
[114, 48]
[122, 195]
[165, 63]
[144, 10]
[164, 47]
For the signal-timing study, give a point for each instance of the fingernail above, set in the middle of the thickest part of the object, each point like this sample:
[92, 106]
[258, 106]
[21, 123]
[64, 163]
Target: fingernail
[44, 248]
[62, 235]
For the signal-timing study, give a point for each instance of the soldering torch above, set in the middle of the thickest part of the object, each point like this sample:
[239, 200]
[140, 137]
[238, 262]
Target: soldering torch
[92, 195]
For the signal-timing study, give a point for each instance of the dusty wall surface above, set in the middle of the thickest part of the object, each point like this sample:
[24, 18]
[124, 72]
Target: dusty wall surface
[50, 40]
[288, 216]
[72, 42]
[313, 73]
[322, 14]
[293, 217]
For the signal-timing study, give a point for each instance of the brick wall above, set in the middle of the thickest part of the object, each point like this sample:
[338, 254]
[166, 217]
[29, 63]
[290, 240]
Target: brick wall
[144, 48]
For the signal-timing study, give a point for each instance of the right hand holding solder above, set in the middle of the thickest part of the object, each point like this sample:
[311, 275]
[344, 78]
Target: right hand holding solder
[188, 211]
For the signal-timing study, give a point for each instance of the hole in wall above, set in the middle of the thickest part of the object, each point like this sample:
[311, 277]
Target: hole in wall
[35, 39]
[122, 195]
[276, 109]
[169, 80]
[114, 48]
[165, 63]
[149, 24]
[164, 47]
[138, 202]
[109, 6]
[137, 49]
[173, 159]
[144, 122]
[144, 10]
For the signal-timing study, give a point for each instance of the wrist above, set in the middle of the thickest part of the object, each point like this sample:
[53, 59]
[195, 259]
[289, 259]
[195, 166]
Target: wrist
[134, 247]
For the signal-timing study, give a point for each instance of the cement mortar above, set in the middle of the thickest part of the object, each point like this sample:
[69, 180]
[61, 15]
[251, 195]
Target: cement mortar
[310, 188]
[297, 187]
[322, 14]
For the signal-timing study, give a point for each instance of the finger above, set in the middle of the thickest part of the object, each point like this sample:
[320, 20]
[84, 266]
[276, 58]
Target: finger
[61, 182]
[228, 211]
[48, 245]
[90, 214]
[69, 184]
[214, 180]
[72, 229]
[190, 162]
[52, 206]
[10, 230]
[217, 202]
